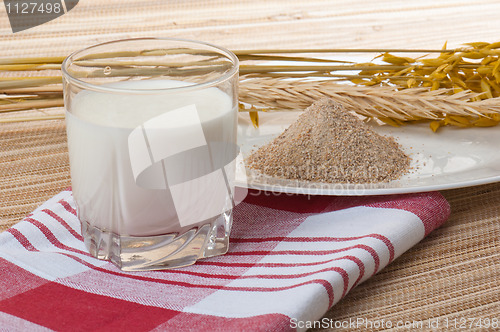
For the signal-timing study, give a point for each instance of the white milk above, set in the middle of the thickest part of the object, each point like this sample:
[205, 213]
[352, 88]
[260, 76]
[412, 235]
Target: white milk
[104, 185]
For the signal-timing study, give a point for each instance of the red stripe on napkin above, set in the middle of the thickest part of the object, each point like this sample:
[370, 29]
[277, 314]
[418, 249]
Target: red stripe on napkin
[95, 312]
[427, 206]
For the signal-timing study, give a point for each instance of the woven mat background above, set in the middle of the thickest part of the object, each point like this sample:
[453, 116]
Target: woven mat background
[453, 274]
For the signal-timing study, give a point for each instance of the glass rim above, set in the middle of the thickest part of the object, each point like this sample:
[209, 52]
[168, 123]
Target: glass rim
[100, 88]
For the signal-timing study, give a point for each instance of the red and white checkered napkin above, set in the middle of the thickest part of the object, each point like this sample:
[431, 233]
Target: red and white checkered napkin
[291, 258]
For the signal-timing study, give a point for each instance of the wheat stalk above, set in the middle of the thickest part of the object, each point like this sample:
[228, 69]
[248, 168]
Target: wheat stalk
[391, 106]
[466, 92]
[384, 103]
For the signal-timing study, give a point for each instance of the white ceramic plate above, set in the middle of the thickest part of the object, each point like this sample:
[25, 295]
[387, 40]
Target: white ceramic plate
[451, 158]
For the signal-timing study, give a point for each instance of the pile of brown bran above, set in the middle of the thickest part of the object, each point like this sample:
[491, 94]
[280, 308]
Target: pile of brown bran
[328, 144]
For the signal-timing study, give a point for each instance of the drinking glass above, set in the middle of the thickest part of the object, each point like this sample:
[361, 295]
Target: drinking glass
[151, 126]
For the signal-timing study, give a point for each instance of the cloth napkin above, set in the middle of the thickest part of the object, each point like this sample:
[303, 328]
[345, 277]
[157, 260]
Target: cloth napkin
[291, 258]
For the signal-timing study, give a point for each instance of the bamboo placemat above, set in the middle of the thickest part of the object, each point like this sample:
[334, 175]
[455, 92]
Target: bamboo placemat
[33, 167]
[453, 275]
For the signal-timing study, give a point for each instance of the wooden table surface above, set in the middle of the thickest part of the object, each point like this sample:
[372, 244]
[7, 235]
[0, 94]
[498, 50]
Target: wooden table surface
[244, 24]
[452, 274]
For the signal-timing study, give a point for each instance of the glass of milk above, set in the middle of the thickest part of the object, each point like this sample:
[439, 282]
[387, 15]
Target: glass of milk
[151, 127]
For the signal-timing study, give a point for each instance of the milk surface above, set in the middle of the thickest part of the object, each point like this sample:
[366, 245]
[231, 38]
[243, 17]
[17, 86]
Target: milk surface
[106, 190]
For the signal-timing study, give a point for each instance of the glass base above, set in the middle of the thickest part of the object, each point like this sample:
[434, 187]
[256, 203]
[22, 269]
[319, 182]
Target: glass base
[144, 253]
